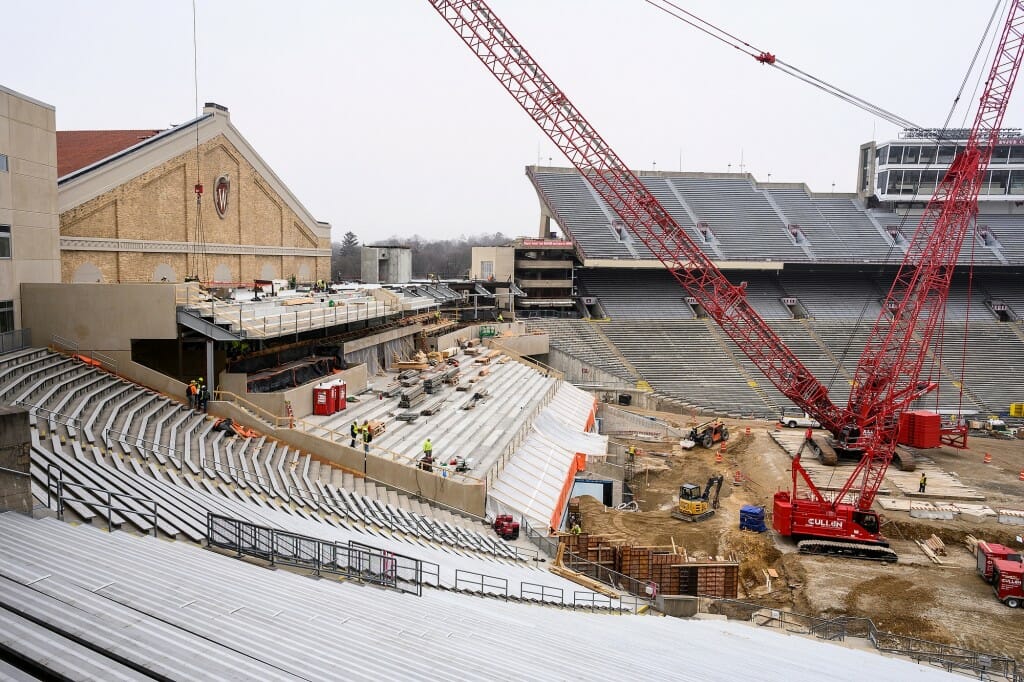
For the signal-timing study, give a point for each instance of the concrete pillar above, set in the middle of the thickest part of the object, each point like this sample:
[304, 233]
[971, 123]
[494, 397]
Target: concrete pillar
[209, 365]
[15, 440]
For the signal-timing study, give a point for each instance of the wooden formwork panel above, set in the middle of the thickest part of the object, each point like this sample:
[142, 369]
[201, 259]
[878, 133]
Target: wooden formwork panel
[635, 562]
[716, 580]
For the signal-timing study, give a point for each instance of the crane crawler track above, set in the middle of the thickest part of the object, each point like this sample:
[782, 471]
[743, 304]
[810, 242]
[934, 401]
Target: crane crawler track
[850, 550]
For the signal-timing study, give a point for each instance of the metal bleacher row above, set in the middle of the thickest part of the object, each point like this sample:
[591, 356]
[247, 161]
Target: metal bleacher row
[109, 434]
[84, 604]
[692, 361]
[583, 339]
[752, 221]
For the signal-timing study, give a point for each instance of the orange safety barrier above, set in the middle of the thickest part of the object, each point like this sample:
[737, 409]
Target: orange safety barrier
[988, 458]
[1022, 474]
[747, 431]
[87, 360]
[737, 478]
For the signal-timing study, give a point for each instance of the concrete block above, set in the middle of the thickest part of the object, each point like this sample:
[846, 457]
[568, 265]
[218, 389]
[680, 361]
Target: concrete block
[677, 606]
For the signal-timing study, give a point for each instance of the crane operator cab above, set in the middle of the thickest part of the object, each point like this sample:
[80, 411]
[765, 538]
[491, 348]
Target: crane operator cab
[868, 520]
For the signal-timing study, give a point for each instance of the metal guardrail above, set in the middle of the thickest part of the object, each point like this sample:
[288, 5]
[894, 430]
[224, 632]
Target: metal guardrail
[15, 340]
[55, 486]
[489, 585]
[351, 560]
[59, 342]
[949, 658]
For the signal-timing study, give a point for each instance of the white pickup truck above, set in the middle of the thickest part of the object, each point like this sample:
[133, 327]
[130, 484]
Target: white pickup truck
[796, 419]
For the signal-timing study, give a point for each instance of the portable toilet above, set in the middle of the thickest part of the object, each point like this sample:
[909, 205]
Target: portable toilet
[323, 400]
[339, 391]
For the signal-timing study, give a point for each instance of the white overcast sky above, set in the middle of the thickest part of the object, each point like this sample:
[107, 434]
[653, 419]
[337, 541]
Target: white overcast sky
[382, 122]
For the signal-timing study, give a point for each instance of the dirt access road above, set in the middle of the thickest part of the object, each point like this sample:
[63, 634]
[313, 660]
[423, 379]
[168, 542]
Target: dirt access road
[947, 603]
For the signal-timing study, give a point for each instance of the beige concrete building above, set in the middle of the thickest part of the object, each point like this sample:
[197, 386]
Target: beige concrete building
[128, 209]
[28, 201]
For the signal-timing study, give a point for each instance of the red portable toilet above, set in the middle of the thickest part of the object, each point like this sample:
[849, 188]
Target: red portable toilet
[323, 400]
[340, 391]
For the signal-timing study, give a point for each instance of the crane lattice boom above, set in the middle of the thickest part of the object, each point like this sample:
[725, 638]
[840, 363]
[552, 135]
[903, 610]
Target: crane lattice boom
[620, 188]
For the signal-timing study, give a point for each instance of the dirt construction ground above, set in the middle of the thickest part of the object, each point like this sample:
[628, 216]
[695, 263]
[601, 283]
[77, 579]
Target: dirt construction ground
[946, 603]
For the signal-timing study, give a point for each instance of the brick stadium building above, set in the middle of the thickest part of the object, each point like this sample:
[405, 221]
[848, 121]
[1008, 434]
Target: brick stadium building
[128, 208]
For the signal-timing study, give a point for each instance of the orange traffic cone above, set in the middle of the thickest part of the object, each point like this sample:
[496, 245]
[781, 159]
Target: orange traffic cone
[1022, 474]
[778, 426]
[723, 446]
[718, 457]
[747, 431]
[988, 458]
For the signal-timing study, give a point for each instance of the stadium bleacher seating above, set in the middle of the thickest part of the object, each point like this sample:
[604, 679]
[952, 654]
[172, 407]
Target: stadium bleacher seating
[146, 445]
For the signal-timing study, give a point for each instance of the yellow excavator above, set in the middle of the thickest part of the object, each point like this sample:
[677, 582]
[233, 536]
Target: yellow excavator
[695, 505]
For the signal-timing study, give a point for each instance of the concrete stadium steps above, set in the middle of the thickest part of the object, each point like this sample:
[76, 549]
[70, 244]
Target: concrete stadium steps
[798, 208]
[580, 214]
[580, 339]
[985, 375]
[742, 219]
[684, 359]
[515, 392]
[661, 296]
[816, 292]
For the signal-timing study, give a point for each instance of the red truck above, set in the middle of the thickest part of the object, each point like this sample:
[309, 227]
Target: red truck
[1006, 582]
[989, 553]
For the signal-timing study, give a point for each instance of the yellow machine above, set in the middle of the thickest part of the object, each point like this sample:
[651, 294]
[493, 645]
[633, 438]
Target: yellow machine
[695, 505]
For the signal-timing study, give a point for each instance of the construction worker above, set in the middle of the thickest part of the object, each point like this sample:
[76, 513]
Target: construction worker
[576, 530]
[354, 431]
[501, 318]
[631, 452]
[367, 437]
[922, 484]
[428, 449]
[192, 391]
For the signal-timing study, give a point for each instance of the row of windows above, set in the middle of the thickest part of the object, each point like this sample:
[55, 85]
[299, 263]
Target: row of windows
[3, 163]
[924, 182]
[893, 154]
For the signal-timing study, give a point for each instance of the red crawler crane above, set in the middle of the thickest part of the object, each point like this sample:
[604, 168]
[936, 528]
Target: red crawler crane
[886, 379]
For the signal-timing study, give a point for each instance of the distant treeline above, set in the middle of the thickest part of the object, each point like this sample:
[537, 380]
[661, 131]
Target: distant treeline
[445, 258]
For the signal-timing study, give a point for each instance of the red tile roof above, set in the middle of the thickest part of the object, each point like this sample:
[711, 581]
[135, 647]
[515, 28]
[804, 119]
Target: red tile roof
[77, 149]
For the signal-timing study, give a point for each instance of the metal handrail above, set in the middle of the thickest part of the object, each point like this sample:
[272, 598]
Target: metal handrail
[67, 344]
[60, 484]
[484, 581]
[15, 472]
[320, 555]
[542, 593]
[68, 420]
[156, 448]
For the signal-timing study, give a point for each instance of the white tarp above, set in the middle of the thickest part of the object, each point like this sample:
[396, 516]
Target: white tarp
[533, 479]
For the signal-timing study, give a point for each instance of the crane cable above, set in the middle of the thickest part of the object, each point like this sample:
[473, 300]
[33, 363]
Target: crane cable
[764, 57]
[199, 264]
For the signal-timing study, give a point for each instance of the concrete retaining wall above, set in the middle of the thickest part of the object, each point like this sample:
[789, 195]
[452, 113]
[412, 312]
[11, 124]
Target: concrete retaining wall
[15, 444]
